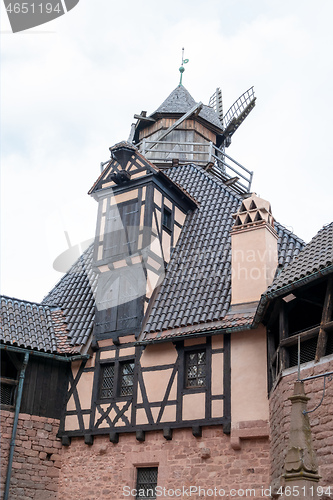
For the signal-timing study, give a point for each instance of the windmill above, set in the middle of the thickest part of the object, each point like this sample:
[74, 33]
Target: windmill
[235, 115]
[183, 131]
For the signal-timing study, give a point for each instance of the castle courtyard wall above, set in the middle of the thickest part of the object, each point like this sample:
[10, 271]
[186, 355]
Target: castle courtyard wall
[37, 457]
[321, 419]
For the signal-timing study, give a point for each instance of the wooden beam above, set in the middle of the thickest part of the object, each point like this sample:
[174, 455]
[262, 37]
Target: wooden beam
[197, 431]
[326, 316]
[283, 334]
[132, 133]
[167, 433]
[88, 439]
[65, 440]
[144, 118]
[307, 334]
[196, 109]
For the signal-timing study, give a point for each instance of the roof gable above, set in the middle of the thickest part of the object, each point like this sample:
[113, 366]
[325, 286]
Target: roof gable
[126, 164]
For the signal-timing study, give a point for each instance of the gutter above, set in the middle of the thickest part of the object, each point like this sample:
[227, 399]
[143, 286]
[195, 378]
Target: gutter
[204, 333]
[45, 354]
[16, 416]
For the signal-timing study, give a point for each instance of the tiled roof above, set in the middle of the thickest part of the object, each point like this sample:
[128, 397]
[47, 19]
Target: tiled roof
[197, 286]
[181, 101]
[316, 256]
[74, 294]
[233, 320]
[195, 294]
[27, 325]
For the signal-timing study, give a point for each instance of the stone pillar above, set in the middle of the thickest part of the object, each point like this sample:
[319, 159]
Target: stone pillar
[301, 469]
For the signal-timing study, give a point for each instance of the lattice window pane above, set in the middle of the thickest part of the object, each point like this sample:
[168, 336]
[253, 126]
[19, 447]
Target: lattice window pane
[7, 394]
[308, 351]
[146, 482]
[126, 380]
[107, 381]
[196, 369]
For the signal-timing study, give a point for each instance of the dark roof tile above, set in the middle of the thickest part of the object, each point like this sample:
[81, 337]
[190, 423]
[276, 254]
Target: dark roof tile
[27, 325]
[316, 255]
[180, 101]
[200, 261]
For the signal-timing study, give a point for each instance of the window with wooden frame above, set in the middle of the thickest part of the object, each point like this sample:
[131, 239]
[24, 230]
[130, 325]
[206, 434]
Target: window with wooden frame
[167, 218]
[195, 369]
[126, 378]
[116, 379]
[146, 482]
[107, 381]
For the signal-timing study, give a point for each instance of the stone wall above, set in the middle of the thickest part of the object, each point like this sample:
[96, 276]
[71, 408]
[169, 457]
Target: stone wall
[103, 469]
[37, 456]
[321, 420]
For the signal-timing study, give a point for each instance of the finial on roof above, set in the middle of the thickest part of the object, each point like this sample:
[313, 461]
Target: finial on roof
[182, 69]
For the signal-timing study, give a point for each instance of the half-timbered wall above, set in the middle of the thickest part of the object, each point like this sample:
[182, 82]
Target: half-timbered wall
[163, 393]
[136, 231]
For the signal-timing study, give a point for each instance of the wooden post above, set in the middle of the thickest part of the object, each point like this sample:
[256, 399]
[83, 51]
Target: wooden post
[210, 152]
[326, 316]
[283, 334]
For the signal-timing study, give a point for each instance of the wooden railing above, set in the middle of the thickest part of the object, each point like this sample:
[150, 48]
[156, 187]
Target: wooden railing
[202, 153]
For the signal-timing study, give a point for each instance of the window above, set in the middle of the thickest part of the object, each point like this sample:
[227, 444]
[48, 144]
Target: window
[146, 482]
[126, 378]
[195, 363]
[107, 381]
[167, 218]
[9, 382]
[116, 379]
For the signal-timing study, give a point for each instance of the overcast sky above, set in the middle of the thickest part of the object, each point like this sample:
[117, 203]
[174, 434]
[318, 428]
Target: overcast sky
[70, 88]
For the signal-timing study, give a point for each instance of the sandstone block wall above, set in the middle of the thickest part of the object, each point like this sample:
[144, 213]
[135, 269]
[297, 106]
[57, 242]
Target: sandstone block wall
[103, 469]
[37, 457]
[321, 420]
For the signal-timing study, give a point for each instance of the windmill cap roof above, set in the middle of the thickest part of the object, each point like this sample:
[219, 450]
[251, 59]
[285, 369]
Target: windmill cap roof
[180, 101]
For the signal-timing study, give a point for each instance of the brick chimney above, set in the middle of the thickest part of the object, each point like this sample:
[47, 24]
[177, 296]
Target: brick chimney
[254, 250]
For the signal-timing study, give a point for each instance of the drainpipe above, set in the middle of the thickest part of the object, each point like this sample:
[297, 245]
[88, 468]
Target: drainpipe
[16, 416]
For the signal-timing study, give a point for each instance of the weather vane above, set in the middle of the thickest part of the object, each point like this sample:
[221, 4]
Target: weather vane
[182, 69]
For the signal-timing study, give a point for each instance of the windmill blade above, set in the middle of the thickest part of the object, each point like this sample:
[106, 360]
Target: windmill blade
[237, 113]
[216, 103]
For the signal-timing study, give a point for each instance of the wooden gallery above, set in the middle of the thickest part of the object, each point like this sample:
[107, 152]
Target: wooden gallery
[188, 352]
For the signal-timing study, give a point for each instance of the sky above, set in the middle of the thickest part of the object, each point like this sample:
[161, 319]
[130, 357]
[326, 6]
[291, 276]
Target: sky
[70, 88]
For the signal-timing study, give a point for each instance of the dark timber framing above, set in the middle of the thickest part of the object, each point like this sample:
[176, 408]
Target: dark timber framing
[99, 416]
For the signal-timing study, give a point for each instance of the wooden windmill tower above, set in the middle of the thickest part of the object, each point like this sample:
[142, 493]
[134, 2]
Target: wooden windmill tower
[182, 131]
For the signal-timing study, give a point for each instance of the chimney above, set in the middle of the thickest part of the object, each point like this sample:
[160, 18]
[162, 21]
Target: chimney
[254, 250]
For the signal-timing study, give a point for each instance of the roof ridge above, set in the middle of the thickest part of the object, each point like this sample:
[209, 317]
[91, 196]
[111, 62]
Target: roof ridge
[15, 299]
